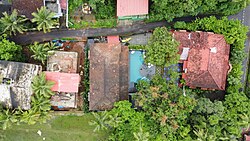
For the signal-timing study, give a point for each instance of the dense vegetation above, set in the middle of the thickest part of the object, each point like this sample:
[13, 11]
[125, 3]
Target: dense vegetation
[85, 93]
[103, 11]
[162, 48]
[170, 9]
[9, 51]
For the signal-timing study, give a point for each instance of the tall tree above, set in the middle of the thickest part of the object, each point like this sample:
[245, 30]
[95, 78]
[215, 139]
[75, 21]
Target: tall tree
[44, 19]
[12, 24]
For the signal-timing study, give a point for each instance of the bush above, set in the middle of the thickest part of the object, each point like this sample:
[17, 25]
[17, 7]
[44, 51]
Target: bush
[9, 51]
[162, 48]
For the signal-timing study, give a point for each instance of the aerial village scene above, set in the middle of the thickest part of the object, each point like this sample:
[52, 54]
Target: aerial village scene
[124, 70]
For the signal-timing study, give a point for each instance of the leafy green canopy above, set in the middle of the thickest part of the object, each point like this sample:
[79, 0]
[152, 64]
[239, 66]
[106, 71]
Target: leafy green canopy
[12, 24]
[170, 9]
[41, 51]
[44, 19]
[9, 51]
[162, 48]
[124, 122]
[235, 34]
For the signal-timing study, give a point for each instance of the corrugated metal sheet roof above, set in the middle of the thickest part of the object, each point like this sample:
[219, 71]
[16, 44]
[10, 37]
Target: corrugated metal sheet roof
[64, 82]
[132, 7]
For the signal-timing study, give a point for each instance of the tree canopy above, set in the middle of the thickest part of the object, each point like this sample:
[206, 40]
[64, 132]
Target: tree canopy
[162, 48]
[170, 9]
[44, 19]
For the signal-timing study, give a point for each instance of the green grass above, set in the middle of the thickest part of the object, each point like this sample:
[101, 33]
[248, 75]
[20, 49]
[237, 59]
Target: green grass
[63, 128]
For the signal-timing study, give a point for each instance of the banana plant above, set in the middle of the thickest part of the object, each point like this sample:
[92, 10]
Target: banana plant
[30, 117]
[7, 118]
[40, 104]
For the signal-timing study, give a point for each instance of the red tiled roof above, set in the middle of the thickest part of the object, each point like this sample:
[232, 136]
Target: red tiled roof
[132, 7]
[208, 59]
[113, 39]
[64, 82]
[26, 7]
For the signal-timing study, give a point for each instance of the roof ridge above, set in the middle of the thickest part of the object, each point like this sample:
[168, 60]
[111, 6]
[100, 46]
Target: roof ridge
[218, 85]
[222, 37]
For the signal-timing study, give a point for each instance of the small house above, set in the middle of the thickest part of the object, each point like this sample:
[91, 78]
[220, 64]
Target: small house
[62, 67]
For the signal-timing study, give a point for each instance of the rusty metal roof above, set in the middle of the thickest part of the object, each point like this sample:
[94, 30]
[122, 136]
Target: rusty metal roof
[64, 82]
[26, 7]
[208, 59]
[132, 7]
[62, 61]
[108, 75]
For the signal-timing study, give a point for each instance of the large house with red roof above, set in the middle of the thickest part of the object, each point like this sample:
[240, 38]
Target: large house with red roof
[205, 58]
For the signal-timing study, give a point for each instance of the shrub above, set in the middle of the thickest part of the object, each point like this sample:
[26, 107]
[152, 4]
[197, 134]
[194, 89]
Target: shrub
[9, 51]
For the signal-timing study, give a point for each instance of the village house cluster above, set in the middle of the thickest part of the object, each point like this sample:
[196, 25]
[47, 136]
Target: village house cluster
[114, 69]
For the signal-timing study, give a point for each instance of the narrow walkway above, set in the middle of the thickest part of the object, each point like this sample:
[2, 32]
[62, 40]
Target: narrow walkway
[31, 37]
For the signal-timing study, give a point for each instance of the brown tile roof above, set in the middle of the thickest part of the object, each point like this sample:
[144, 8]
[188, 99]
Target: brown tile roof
[208, 59]
[108, 75]
[26, 7]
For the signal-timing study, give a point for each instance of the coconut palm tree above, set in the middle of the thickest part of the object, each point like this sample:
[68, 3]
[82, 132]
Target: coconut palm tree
[41, 51]
[44, 19]
[41, 87]
[13, 23]
[101, 121]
